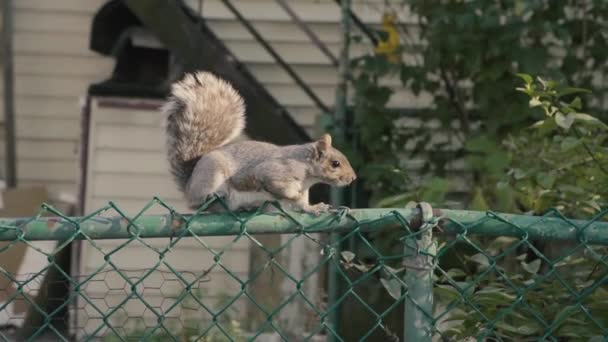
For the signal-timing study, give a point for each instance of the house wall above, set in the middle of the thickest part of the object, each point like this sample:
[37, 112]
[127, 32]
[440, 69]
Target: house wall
[53, 68]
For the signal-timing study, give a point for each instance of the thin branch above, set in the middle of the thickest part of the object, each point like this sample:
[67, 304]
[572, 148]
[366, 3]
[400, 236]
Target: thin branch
[591, 154]
[455, 100]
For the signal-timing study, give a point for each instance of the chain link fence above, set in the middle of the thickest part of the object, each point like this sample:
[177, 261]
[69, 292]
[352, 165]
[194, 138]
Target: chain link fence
[414, 274]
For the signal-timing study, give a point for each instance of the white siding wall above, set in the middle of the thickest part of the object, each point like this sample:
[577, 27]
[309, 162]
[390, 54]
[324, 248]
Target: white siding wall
[53, 67]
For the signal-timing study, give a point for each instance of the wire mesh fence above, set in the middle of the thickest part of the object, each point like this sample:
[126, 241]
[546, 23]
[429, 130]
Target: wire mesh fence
[403, 274]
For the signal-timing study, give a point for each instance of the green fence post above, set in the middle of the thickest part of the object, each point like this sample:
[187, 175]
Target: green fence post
[419, 261]
[337, 195]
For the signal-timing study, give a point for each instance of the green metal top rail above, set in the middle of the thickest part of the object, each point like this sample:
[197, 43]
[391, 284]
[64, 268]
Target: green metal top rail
[548, 227]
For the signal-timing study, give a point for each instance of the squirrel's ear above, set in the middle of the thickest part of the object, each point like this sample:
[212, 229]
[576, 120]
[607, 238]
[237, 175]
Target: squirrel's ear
[325, 140]
[323, 144]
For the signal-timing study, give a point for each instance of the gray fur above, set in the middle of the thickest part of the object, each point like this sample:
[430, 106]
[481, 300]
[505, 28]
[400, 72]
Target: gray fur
[203, 112]
[203, 115]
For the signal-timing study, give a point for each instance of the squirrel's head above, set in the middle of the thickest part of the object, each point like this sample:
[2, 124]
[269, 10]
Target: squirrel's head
[330, 165]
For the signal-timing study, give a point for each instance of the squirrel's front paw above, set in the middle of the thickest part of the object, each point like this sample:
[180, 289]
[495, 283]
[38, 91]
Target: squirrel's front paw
[317, 209]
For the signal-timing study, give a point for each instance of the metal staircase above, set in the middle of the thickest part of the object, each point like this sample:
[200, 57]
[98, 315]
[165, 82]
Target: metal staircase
[146, 69]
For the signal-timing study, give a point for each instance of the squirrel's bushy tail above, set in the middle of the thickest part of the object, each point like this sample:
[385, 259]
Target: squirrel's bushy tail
[202, 113]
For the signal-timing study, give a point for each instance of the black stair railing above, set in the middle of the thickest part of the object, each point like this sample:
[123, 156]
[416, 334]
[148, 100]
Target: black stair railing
[311, 35]
[290, 71]
[306, 29]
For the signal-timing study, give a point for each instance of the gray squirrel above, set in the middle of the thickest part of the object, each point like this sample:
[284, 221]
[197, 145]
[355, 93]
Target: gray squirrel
[203, 115]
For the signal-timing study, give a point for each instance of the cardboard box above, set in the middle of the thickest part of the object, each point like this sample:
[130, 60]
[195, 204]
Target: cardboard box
[19, 202]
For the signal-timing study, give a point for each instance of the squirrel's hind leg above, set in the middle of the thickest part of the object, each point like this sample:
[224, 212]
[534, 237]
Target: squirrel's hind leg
[208, 179]
[247, 200]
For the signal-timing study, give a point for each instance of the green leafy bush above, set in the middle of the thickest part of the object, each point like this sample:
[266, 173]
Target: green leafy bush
[528, 290]
[520, 302]
[481, 145]
[462, 56]
[562, 160]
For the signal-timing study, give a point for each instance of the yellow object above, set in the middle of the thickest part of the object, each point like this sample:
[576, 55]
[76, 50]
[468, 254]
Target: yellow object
[390, 46]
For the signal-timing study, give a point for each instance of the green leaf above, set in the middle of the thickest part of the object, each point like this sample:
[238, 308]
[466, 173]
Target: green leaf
[392, 286]
[545, 180]
[357, 38]
[545, 126]
[480, 259]
[570, 91]
[502, 242]
[494, 297]
[503, 184]
[361, 268]
[532, 267]
[452, 332]
[535, 102]
[457, 317]
[574, 331]
[521, 257]
[478, 202]
[563, 314]
[496, 162]
[542, 81]
[392, 271]
[455, 273]
[448, 292]
[518, 174]
[435, 189]
[576, 103]
[375, 65]
[348, 256]
[593, 204]
[393, 201]
[379, 95]
[479, 144]
[571, 188]
[564, 121]
[590, 119]
[527, 78]
[550, 84]
[524, 329]
[569, 143]
[466, 287]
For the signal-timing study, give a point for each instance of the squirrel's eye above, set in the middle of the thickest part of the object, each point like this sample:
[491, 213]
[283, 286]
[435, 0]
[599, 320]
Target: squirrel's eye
[335, 163]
